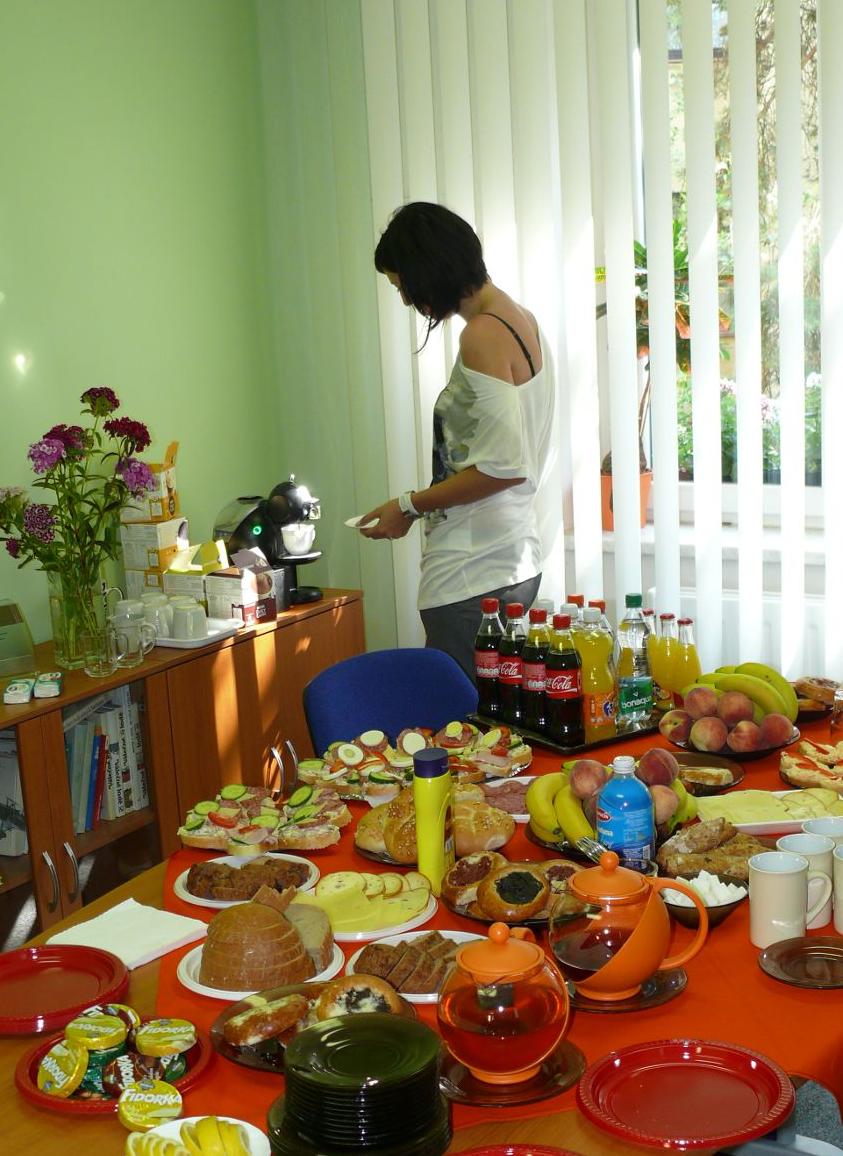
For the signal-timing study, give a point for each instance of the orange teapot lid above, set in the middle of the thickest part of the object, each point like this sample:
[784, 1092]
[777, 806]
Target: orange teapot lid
[509, 953]
[608, 881]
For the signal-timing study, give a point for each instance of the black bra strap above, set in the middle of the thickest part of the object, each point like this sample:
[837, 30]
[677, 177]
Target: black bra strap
[524, 348]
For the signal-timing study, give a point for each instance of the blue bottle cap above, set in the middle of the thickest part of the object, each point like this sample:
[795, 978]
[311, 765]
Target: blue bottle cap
[430, 762]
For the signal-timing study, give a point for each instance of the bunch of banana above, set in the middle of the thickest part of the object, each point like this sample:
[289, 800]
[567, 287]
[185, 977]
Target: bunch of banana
[768, 690]
[557, 816]
[207, 1136]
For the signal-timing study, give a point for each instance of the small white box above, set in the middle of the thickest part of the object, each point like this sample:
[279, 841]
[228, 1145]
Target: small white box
[152, 545]
[140, 581]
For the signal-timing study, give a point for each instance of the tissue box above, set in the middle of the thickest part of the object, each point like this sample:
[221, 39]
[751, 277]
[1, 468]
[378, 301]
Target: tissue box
[245, 590]
[152, 545]
[162, 502]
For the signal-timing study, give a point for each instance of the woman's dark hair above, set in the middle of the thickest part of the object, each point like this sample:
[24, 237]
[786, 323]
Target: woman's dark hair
[436, 255]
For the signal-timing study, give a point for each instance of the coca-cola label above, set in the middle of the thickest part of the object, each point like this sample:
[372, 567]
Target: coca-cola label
[486, 663]
[564, 683]
[533, 676]
[511, 669]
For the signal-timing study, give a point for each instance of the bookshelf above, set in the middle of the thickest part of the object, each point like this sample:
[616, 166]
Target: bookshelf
[191, 704]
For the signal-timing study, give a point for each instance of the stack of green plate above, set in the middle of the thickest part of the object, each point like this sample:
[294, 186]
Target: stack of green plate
[367, 1083]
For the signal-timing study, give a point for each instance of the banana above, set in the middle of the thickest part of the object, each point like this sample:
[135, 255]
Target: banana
[208, 1135]
[545, 833]
[569, 814]
[234, 1138]
[539, 801]
[777, 681]
[758, 690]
[712, 678]
[687, 808]
[725, 670]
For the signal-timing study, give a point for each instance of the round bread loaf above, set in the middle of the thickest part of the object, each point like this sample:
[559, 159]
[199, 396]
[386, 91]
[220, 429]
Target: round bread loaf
[251, 947]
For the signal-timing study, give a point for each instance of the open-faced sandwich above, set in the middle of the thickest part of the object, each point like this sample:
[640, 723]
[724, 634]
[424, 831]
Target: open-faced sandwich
[248, 821]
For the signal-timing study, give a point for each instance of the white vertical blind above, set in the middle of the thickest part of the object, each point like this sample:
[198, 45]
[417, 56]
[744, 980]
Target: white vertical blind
[705, 333]
[830, 38]
[655, 109]
[788, 63]
[747, 321]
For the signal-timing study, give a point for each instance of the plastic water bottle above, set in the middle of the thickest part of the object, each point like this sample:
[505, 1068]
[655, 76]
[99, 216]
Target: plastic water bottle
[594, 646]
[635, 680]
[625, 821]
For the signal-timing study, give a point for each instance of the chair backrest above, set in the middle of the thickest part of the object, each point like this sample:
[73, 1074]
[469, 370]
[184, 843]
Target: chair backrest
[389, 690]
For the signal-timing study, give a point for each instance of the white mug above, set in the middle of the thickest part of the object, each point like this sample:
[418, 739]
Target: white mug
[831, 825]
[298, 537]
[189, 622]
[817, 849]
[780, 889]
[837, 868]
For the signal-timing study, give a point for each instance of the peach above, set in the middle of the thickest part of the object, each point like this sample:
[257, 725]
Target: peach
[776, 730]
[745, 736]
[676, 725]
[733, 707]
[701, 702]
[665, 803]
[657, 766]
[708, 734]
[587, 776]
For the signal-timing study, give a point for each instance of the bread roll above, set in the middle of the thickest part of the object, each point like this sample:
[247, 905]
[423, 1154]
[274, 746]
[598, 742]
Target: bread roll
[307, 836]
[356, 993]
[399, 836]
[264, 1022]
[518, 891]
[369, 832]
[479, 827]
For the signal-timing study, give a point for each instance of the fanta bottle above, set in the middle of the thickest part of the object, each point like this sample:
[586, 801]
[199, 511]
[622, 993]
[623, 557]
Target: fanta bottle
[599, 692]
[686, 665]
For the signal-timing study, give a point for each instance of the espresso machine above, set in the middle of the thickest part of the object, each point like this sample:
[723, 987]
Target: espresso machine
[254, 521]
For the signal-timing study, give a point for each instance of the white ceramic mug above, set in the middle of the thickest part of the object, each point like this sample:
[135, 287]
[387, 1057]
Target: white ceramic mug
[830, 825]
[189, 622]
[817, 849]
[783, 896]
[298, 537]
[837, 869]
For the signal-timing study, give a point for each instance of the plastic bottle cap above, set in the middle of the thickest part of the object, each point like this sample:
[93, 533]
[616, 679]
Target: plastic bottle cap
[538, 617]
[489, 605]
[430, 762]
[577, 599]
[561, 621]
[591, 615]
[685, 622]
[515, 609]
[633, 601]
[623, 763]
[666, 617]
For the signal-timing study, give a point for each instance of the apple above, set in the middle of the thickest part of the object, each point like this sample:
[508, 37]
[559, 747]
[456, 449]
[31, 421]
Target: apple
[657, 766]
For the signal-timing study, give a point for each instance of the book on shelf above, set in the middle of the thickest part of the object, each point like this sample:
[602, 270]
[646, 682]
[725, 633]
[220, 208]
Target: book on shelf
[99, 790]
[81, 782]
[108, 722]
[106, 764]
[142, 784]
[93, 775]
[13, 837]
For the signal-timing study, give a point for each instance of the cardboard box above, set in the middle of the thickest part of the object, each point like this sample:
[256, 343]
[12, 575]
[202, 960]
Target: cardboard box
[162, 502]
[192, 584]
[140, 581]
[152, 545]
[245, 590]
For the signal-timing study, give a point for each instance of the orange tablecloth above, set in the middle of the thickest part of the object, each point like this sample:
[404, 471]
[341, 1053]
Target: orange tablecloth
[727, 997]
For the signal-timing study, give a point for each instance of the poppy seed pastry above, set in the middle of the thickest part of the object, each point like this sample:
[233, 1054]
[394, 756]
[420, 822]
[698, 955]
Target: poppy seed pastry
[252, 947]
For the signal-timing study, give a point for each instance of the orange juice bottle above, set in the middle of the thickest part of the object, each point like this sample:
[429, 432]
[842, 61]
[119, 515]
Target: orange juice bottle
[662, 654]
[599, 691]
[686, 666]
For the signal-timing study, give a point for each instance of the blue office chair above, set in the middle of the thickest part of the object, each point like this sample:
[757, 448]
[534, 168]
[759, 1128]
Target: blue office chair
[389, 690]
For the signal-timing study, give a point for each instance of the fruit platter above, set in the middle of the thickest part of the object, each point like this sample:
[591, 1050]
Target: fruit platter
[742, 712]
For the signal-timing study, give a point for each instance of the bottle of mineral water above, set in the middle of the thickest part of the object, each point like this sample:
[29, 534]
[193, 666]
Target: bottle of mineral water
[635, 680]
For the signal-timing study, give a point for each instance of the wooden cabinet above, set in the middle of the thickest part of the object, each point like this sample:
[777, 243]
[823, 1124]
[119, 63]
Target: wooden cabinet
[210, 716]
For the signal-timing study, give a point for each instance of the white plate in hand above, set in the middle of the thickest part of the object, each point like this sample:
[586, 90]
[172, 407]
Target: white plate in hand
[394, 940]
[218, 628]
[188, 975]
[237, 861]
[357, 523]
[258, 1143]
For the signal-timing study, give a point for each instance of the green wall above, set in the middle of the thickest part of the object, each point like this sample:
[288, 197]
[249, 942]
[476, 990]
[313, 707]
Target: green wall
[133, 240]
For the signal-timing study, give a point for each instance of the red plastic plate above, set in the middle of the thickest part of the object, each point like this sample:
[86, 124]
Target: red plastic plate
[43, 988]
[26, 1080]
[519, 1150]
[686, 1094]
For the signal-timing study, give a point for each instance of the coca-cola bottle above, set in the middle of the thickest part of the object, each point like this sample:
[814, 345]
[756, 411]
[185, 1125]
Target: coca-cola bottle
[487, 658]
[533, 671]
[563, 687]
[511, 668]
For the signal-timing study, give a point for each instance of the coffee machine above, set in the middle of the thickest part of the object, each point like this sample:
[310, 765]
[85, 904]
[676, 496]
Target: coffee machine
[254, 521]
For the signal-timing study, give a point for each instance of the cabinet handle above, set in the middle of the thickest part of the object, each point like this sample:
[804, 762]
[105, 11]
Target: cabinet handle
[54, 878]
[74, 863]
[282, 770]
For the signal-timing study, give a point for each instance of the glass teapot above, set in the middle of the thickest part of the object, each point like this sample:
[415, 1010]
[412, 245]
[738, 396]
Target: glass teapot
[618, 934]
[504, 1007]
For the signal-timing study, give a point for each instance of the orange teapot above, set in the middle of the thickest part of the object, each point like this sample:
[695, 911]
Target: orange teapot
[619, 933]
[504, 1007]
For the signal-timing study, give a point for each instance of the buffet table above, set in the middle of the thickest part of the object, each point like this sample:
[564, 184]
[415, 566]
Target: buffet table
[727, 998]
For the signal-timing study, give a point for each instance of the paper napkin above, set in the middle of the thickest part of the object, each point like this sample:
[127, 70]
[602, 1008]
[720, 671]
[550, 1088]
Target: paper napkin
[134, 933]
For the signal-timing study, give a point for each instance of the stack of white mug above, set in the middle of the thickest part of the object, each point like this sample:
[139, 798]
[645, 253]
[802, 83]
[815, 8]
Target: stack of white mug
[176, 616]
[798, 886]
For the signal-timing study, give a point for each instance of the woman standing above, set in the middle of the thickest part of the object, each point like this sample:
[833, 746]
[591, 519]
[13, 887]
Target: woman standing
[491, 432]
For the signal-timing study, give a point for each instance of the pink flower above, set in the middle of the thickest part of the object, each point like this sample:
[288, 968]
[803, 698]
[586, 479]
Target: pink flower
[46, 454]
[13, 547]
[101, 400]
[137, 475]
[135, 432]
[72, 437]
[38, 520]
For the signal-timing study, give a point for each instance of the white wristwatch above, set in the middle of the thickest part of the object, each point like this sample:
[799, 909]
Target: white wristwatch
[405, 504]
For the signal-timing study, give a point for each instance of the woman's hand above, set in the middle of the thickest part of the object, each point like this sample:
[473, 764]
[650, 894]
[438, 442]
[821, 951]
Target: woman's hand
[391, 522]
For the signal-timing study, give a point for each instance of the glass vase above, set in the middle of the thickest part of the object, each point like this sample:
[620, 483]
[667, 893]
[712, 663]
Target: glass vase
[77, 612]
